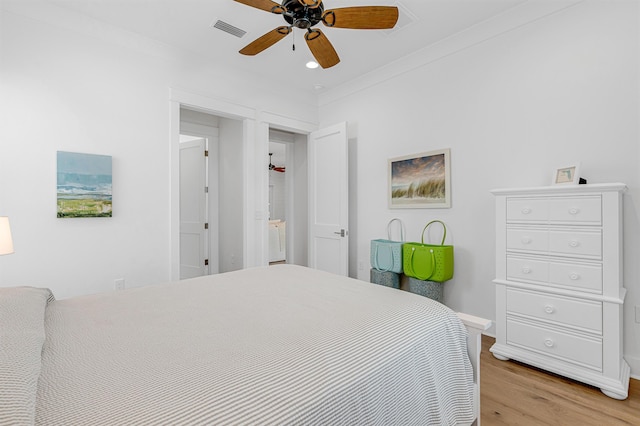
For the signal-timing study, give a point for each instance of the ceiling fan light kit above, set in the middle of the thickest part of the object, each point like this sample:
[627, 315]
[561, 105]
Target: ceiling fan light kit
[305, 14]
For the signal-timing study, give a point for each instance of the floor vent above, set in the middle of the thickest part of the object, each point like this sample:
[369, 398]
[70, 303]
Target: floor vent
[228, 28]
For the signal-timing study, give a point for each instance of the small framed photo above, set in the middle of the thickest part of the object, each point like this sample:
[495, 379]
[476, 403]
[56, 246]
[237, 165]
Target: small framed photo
[569, 175]
[420, 180]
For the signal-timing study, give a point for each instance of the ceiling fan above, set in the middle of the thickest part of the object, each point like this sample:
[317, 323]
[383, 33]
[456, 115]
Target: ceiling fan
[305, 14]
[275, 168]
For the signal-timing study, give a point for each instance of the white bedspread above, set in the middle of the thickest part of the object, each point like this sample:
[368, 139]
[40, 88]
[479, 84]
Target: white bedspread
[278, 345]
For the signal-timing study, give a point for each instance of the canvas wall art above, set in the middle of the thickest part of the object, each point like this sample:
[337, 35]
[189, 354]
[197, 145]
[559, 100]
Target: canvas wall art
[84, 185]
[420, 180]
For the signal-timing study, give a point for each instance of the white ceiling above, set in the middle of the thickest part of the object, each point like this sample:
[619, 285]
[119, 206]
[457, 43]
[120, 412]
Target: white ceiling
[187, 24]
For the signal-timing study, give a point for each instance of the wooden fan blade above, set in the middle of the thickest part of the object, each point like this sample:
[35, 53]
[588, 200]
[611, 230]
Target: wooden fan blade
[312, 4]
[321, 48]
[362, 17]
[267, 5]
[266, 41]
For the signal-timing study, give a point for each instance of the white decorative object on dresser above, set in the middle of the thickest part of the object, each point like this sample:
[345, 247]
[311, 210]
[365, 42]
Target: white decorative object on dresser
[559, 282]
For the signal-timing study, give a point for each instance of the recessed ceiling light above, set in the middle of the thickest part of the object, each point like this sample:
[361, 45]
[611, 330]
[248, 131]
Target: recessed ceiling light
[312, 65]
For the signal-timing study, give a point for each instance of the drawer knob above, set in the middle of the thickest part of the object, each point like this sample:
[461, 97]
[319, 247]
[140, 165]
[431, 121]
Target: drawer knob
[574, 243]
[549, 343]
[549, 309]
[526, 240]
[526, 210]
[574, 211]
[574, 276]
[526, 270]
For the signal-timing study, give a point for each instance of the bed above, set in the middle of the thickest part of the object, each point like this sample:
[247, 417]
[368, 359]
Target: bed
[275, 345]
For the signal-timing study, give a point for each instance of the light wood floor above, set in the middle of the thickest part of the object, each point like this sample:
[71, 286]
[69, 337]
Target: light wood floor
[515, 394]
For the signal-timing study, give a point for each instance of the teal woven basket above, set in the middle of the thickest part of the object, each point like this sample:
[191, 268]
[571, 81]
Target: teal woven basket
[386, 255]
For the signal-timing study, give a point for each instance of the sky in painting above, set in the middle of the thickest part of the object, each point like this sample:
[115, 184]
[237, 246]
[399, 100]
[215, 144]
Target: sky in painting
[404, 172]
[84, 176]
[84, 164]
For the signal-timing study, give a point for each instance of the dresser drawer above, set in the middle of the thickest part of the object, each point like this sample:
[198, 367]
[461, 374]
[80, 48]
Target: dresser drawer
[576, 243]
[574, 276]
[564, 311]
[576, 210]
[527, 210]
[572, 348]
[567, 210]
[578, 276]
[522, 239]
[519, 269]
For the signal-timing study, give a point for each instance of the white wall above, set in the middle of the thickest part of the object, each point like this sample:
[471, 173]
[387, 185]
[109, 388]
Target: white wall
[73, 84]
[200, 118]
[298, 240]
[511, 107]
[277, 184]
[231, 190]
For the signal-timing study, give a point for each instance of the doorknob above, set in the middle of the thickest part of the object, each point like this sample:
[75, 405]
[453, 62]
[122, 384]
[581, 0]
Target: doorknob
[342, 233]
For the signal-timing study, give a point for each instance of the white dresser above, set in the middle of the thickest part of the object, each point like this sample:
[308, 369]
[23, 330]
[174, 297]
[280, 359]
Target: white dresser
[559, 282]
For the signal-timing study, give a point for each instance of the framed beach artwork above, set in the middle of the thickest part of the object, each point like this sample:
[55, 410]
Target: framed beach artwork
[420, 180]
[84, 185]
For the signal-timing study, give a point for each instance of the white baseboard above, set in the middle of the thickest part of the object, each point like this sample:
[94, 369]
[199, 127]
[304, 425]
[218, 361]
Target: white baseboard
[634, 363]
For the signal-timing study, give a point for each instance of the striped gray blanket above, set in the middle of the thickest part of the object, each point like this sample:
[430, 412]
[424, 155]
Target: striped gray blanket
[282, 345]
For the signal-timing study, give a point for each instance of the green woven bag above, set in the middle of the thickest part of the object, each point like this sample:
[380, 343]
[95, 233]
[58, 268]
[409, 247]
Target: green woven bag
[428, 262]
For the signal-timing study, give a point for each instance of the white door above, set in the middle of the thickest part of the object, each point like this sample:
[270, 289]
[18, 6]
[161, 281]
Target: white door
[193, 209]
[329, 199]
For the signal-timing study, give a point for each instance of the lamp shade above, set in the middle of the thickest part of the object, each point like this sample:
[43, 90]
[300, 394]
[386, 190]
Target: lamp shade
[6, 243]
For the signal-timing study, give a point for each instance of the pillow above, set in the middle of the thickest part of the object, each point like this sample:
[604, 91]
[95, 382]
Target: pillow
[22, 334]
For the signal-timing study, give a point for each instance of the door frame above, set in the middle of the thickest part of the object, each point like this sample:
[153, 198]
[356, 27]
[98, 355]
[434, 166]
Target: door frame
[268, 121]
[179, 98]
[255, 141]
[289, 196]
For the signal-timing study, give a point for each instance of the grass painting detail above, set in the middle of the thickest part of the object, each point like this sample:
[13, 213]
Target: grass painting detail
[84, 185]
[420, 181]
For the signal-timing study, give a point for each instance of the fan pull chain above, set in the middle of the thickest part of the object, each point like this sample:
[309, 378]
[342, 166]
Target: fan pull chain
[294, 39]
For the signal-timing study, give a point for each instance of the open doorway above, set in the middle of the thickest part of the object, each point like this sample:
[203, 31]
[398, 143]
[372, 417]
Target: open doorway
[287, 185]
[277, 203]
[209, 201]
[316, 197]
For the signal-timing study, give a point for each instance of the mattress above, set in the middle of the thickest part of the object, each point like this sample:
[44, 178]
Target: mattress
[281, 345]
